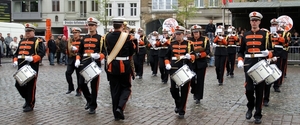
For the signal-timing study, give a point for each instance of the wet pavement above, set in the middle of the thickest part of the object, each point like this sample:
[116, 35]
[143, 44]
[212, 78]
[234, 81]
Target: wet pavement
[150, 102]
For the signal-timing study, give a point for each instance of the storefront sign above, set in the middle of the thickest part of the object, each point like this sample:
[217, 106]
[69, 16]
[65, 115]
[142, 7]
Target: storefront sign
[74, 22]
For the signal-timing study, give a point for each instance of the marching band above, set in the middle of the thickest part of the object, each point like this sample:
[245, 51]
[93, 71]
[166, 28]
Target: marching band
[179, 55]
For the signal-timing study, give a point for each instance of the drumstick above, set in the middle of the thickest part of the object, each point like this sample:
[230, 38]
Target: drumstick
[181, 58]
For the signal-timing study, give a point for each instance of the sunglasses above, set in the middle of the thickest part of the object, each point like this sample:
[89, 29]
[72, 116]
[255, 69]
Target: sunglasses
[91, 25]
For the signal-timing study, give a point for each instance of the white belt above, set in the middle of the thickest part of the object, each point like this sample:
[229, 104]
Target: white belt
[88, 54]
[154, 48]
[284, 48]
[220, 46]
[20, 57]
[122, 58]
[141, 46]
[175, 58]
[278, 46]
[232, 45]
[163, 47]
[254, 55]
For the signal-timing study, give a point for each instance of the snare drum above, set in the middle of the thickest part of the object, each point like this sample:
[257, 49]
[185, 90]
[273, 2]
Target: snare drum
[90, 72]
[183, 75]
[274, 76]
[260, 71]
[24, 75]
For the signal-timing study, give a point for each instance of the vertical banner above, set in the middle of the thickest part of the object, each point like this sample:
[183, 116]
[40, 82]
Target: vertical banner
[48, 32]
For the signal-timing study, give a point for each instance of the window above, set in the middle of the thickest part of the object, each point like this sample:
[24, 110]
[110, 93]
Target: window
[108, 9]
[133, 7]
[55, 5]
[199, 3]
[28, 6]
[94, 5]
[82, 8]
[71, 5]
[56, 18]
[120, 9]
[164, 4]
[213, 3]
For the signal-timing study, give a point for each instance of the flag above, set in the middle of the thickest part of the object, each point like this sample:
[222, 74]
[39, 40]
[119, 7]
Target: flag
[224, 2]
[230, 1]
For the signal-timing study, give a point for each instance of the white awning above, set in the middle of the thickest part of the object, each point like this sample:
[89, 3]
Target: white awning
[262, 4]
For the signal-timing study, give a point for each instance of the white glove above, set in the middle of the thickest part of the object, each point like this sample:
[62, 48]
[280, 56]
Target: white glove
[154, 42]
[274, 59]
[15, 63]
[184, 38]
[77, 63]
[187, 56]
[95, 55]
[164, 40]
[269, 61]
[29, 58]
[137, 36]
[265, 52]
[74, 48]
[168, 66]
[240, 64]
[102, 62]
[221, 37]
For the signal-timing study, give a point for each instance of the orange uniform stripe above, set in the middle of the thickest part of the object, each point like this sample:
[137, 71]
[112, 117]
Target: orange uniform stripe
[253, 43]
[24, 47]
[89, 45]
[179, 46]
[27, 42]
[256, 36]
[122, 67]
[23, 53]
[198, 42]
[36, 58]
[89, 51]
[75, 43]
[179, 50]
[167, 61]
[253, 50]
[203, 54]
[90, 40]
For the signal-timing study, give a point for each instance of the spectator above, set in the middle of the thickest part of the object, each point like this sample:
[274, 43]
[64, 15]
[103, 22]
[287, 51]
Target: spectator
[210, 30]
[1, 47]
[21, 37]
[52, 50]
[7, 40]
[294, 42]
[57, 42]
[63, 49]
[14, 45]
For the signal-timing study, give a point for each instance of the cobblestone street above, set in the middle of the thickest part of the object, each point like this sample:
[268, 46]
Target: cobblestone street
[150, 103]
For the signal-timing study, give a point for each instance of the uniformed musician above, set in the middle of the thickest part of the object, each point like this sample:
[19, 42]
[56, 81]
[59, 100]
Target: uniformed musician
[120, 48]
[72, 49]
[179, 52]
[90, 49]
[232, 40]
[163, 47]
[30, 51]
[139, 57]
[153, 53]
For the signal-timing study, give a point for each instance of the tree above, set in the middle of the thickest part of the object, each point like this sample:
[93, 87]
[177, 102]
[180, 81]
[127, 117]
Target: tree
[185, 10]
[102, 16]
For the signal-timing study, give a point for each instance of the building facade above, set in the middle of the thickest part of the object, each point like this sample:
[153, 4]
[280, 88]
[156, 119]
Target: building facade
[73, 13]
[154, 12]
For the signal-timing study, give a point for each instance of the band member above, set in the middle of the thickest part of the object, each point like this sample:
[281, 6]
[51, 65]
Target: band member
[30, 51]
[72, 49]
[232, 40]
[201, 50]
[177, 55]
[220, 54]
[254, 45]
[119, 67]
[90, 50]
[287, 36]
[163, 47]
[153, 45]
[139, 57]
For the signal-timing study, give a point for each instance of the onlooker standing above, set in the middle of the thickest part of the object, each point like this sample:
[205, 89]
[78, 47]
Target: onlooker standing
[63, 49]
[1, 47]
[294, 42]
[21, 37]
[210, 30]
[52, 50]
[58, 49]
[14, 45]
[7, 40]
